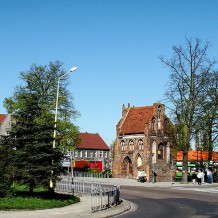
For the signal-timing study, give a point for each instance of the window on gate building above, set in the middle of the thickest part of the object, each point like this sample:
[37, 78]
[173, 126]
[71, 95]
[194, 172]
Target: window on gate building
[152, 124]
[122, 143]
[158, 112]
[154, 152]
[168, 152]
[131, 145]
[140, 144]
[160, 151]
[139, 161]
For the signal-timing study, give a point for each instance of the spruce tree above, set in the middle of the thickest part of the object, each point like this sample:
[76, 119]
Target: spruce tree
[35, 160]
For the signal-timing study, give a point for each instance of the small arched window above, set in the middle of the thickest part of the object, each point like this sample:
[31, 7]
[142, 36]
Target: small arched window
[131, 145]
[168, 152]
[152, 123]
[140, 144]
[166, 126]
[122, 143]
[158, 112]
[160, 151]
[153, 152]
[139, 161]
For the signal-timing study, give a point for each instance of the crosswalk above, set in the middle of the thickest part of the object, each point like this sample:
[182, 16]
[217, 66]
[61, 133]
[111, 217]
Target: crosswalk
[198, 189]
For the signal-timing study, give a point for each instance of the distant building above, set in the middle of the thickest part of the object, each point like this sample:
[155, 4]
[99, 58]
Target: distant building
[91, 153]
[5, 123]
[143, 143]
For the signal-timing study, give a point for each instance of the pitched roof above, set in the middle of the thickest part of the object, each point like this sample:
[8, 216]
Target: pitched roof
[136, 119]
[92, 141]
[2, 118]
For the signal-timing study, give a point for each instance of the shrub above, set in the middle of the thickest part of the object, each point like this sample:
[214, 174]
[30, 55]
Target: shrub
[5, 189]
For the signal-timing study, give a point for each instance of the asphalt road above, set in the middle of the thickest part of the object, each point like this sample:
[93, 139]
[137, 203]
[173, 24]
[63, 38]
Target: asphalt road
[169, 203]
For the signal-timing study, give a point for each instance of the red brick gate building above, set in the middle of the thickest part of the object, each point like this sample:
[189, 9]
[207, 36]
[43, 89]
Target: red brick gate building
[143, 142]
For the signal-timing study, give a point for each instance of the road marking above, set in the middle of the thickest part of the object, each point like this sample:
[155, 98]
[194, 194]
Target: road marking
[210, 190]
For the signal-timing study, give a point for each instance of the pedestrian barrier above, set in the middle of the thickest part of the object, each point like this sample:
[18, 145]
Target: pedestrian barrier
[90, 175]
[81, 186]
[101, 198]
[104, 198]
[73, 185]
[64, 185]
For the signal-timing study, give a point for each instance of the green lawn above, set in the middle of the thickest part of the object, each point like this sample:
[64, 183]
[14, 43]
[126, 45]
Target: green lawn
[21, 199]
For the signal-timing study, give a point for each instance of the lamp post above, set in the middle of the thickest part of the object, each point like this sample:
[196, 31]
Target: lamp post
[56, 112]
[56, 105]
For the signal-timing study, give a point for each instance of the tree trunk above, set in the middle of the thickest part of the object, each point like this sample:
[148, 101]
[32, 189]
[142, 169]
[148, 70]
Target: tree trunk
[32, 184]
[185, 168]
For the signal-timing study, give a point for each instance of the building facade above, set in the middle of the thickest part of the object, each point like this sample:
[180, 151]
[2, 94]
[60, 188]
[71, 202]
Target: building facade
[5, 123]
[92, 153]
[143, 142]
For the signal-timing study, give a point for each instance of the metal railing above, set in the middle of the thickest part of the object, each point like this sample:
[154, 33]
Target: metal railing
[90, 175]
[105, 198]
[74, 185]
[101, 198]
[85, 186]
[64, 185]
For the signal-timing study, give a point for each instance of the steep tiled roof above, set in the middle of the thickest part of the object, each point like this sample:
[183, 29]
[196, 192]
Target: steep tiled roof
[136, 120]
[92, 141]
[2, 118]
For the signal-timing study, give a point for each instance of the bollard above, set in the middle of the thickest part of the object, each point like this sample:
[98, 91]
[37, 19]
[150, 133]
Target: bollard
[115, 195]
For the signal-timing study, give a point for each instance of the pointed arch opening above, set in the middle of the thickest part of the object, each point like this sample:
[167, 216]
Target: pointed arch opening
[154, 151]
[127, 167]
[139, 161]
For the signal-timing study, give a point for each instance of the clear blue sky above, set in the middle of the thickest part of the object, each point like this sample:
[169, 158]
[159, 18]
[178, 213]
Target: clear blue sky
[114, 43]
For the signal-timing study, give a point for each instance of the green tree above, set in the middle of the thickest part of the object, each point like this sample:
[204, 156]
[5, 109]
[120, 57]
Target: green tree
[43, 80]
[189, 68]
[31, 138]
[32, 106]
[207, 115]
[6, 168]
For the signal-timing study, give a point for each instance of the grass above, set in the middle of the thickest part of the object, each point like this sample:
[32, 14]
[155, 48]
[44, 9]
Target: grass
[21, 199]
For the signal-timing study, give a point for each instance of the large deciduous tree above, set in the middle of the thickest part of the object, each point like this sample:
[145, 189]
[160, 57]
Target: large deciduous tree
[207, 116]
[190, 68]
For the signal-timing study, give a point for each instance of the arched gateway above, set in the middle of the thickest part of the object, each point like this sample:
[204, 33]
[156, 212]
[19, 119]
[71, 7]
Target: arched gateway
[127, 167]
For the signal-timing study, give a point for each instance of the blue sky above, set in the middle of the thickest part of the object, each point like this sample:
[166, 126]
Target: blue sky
[115, 44]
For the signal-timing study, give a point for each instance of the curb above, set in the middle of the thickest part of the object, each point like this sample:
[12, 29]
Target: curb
[123, 207]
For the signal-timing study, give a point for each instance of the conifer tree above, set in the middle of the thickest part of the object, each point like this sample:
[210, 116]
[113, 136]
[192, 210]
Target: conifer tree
[31, 138]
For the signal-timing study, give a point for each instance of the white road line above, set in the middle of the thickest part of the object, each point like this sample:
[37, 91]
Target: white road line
[210, 190]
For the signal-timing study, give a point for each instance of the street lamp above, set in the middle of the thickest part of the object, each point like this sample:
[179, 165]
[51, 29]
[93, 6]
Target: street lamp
[56, 106]
[56, 112]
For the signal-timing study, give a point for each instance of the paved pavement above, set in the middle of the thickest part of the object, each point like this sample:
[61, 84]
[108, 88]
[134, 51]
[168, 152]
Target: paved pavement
[82, 209]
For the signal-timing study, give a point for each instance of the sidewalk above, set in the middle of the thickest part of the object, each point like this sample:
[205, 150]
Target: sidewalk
[133, 182]
[82, 209]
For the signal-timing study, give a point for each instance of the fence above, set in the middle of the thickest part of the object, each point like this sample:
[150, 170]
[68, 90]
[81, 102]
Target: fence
[85, 186]
[90, 175]
[73, 185]
[101, 198]
[64, 185]
[105, 198]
